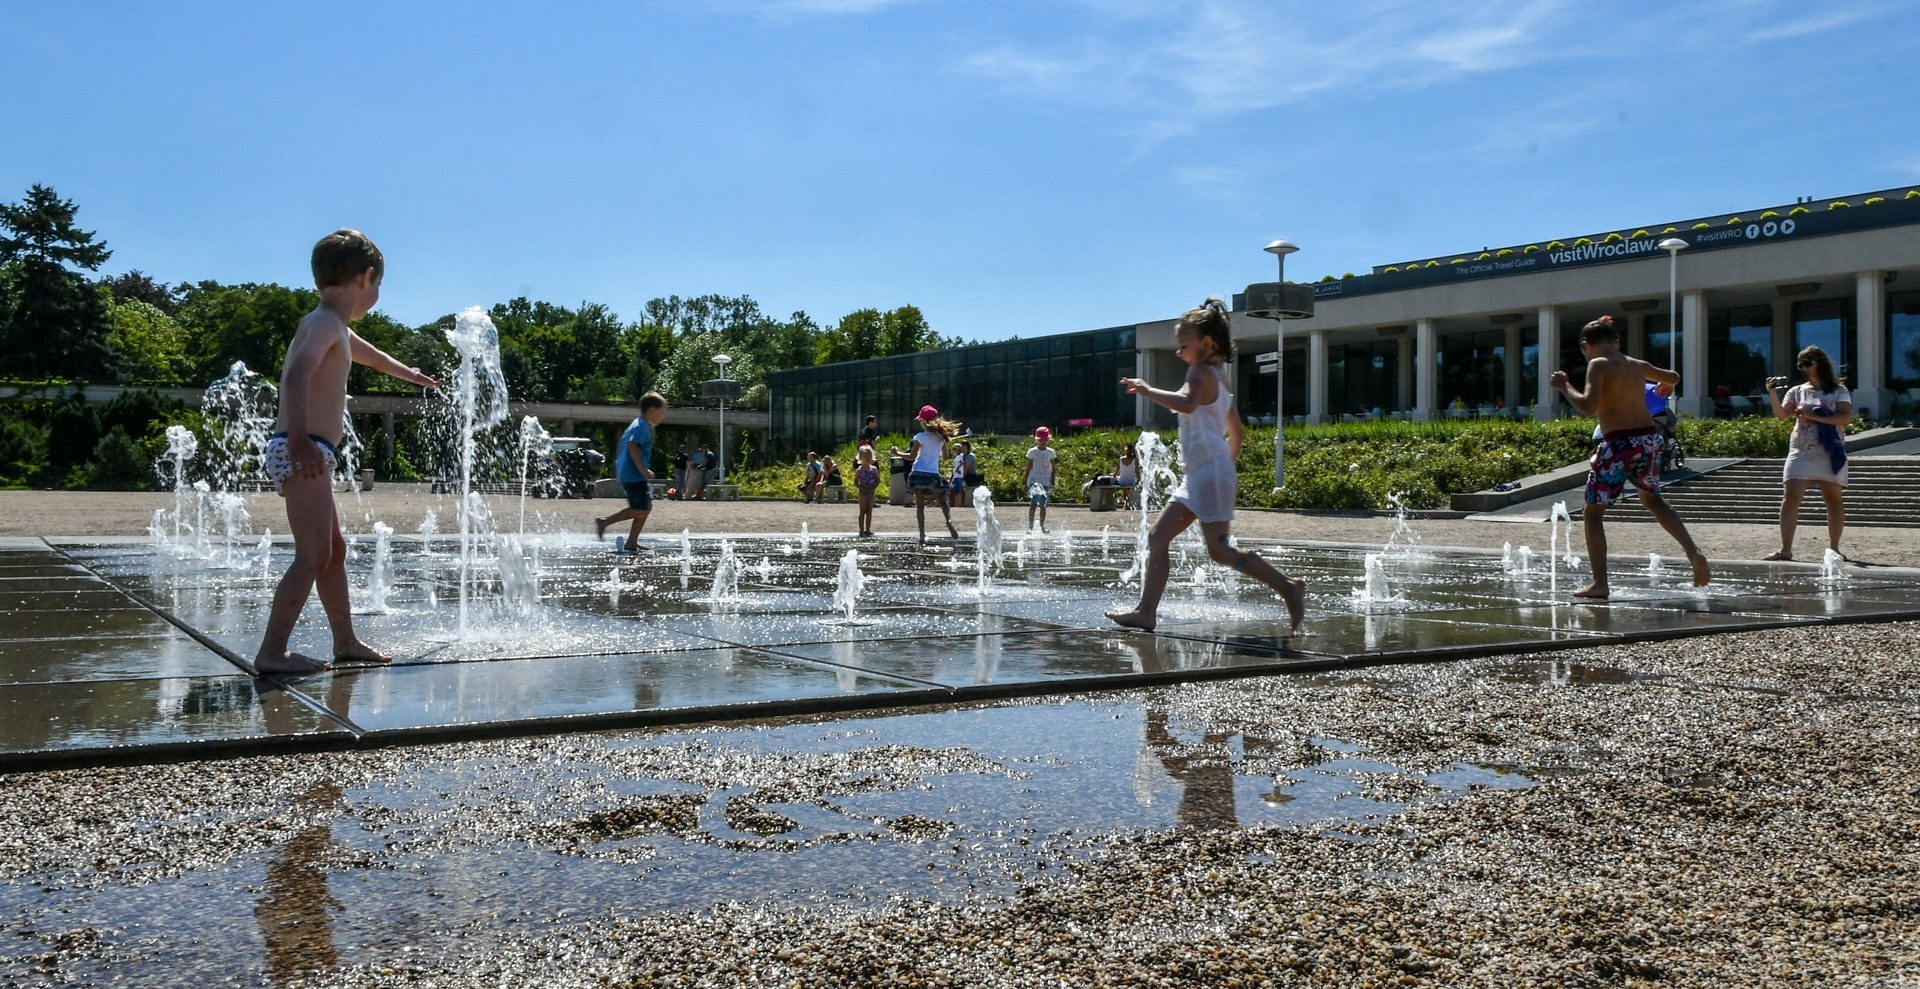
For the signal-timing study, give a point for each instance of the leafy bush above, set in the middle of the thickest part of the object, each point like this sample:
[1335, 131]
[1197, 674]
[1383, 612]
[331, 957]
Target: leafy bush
[1641, 233]
[1912, 194]
[1582, 241]
[1839, 204]
[1797, 211]
[1503, 253]
[120, 464]
[23, 451]
[1875, 200]
[1701, 226]
[1530, 248]
[1734, 222]
[1613, 239]
[1388, 270]
[1770, 215]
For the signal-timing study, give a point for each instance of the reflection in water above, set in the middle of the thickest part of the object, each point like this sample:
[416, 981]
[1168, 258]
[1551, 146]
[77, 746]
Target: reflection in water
[1204, 772]
[293, 911]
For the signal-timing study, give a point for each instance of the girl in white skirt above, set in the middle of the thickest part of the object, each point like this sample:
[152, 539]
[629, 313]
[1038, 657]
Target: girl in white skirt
[1820, 409]
[1209, 442]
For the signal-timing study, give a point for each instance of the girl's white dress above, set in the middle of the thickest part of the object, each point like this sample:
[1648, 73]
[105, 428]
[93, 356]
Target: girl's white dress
[1208, 478]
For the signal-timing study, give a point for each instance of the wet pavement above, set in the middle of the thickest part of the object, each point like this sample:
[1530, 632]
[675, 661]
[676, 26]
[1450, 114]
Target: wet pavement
[128, 651]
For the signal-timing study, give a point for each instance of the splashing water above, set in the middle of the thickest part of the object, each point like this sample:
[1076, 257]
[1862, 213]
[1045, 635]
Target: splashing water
[1403, 539]
[806, 538]
[1653, 568]
[1523, 560]
[686, 550]
[480, 393]
[1156, 483]
[265, 559]
[1554, 519]
[986, 527]
[1832, 567]
[519, 578]
[726, 576]
[1106, 552]
[1066, 546]
[380, 581]
[181, 446]
[1373, 588]
[613, 587]
[240, 410]
[157, 529]
[1506, 557]
[846, 591]
[429, 526]
[233, 512]
[535, 442]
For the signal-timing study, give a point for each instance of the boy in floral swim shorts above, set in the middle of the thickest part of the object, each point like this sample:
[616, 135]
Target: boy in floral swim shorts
[1628, 448]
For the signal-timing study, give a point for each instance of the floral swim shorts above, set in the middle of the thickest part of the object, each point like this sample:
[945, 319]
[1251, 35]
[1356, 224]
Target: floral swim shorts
[1619, 457]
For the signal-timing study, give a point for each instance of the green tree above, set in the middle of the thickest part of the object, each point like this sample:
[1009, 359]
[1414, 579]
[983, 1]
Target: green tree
[52, 322]
[692, 363]
[136, 285]
[905, 331]
[247, 322]
[148, 346]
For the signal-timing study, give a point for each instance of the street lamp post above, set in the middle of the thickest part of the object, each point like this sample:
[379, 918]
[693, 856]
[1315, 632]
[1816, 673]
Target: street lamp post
[1673, 246]
[1280, 249]
[723, 360]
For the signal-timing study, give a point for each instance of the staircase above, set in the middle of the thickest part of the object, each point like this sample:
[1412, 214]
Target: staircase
[1881, 491]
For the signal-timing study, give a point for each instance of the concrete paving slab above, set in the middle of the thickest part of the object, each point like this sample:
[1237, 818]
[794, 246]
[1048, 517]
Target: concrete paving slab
[1031, 657]
[69, 624]
[155, 718]
[68, 660]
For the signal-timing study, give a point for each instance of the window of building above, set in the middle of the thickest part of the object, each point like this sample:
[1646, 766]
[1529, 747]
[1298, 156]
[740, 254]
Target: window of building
[1473, 369]
[1663, 348]
[1827, 324]
[1739, 357]
[1903, 347]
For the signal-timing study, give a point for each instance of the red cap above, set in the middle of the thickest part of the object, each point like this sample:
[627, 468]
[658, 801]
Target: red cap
[929, 412]
[1042, 433]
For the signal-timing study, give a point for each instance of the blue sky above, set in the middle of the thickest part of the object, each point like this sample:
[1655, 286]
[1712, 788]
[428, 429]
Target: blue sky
[1024, 167]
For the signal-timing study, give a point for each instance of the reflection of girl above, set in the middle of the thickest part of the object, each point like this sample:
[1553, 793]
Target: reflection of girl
[1209, 442]
[1820, 408]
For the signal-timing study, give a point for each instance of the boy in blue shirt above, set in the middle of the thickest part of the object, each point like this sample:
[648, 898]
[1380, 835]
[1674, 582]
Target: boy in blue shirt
[630, 468]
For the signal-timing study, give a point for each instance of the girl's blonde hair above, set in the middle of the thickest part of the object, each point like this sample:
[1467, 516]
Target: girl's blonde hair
[945, 427]
[865, 455]
[1209, 320]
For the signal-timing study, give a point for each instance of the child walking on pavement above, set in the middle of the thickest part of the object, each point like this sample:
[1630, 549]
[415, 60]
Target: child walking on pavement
[632, 467]
[1209, 443]
[1628, 448]
[1040, 464]
[927, 449]
[300, 458]
[866, 478]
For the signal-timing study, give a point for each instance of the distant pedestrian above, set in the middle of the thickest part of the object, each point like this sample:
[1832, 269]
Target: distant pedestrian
[870, 433]
[866, 478]
[1039, 480]
[1821, 407]
[680, 462]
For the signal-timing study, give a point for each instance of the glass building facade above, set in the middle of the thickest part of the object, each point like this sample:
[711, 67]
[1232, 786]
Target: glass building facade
[1008, 387]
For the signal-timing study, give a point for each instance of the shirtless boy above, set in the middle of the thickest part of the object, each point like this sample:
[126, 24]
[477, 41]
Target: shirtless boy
[300, 458]
[1628, 448]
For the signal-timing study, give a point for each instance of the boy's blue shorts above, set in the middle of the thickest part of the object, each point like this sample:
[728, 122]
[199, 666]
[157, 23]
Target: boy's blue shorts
[1037, 494]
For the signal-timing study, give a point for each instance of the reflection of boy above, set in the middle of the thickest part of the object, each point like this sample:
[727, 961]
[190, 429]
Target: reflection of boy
[632, 469]
[1628, 448]
[347, 269]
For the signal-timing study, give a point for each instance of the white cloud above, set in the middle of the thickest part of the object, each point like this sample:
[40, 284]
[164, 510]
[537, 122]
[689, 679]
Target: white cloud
[1810, 25]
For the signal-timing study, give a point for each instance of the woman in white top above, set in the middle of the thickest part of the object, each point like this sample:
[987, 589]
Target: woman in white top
[1209, 442]
[1821, 407]
[1128, 475]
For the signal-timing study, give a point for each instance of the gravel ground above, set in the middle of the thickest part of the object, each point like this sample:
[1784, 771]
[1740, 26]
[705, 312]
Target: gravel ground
[1714, 811]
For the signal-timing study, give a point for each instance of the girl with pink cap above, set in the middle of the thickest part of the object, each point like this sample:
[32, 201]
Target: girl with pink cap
[927, 449]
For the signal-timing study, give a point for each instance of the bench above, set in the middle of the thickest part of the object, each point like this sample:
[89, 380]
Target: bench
[1107, 497]
[836, 493]
[723, 492]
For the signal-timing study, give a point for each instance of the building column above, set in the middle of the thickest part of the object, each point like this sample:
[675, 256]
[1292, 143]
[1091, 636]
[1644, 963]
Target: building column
[386, 429]
[1781, 336]
[1693, 399]
[1870, 394]
[1547, 361]
[1426, 366]
[1510, 388]
[566, 426]
[1141, 407]
[1637, 335]
[1404, 400]
[1317, 376]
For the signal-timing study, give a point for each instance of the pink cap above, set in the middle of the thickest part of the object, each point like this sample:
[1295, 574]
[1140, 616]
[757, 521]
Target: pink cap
[1042, 433]
[929, 412]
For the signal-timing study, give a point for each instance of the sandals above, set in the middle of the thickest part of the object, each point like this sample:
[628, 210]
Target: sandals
[1778, 556]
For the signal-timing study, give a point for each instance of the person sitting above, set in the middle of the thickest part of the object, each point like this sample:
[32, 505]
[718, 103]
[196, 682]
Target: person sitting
[810, 484]
[829, 477]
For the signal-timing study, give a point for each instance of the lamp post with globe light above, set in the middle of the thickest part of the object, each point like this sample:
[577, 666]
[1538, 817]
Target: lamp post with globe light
[723, 389]
[1279, 301]
[1673, 246]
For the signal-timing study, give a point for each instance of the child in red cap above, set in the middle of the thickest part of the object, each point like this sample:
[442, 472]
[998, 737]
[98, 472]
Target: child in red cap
[927, 449]
[1040, 464]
